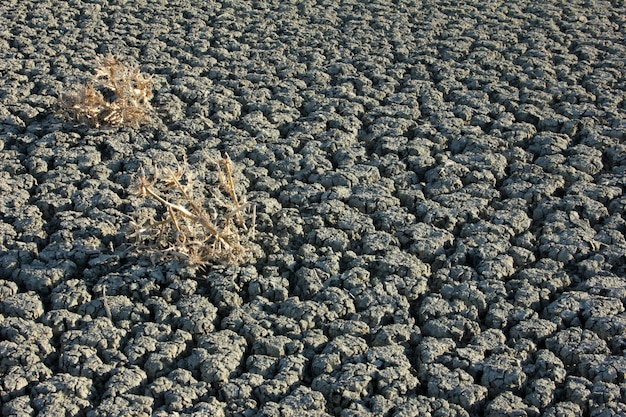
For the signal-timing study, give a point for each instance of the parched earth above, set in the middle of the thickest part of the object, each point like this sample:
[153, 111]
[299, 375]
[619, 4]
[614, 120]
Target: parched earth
[440, 210]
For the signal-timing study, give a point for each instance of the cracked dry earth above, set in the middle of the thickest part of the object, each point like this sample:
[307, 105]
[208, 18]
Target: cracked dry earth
[440, 210]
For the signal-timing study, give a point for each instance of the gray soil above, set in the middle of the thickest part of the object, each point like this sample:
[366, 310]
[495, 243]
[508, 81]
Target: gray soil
[440, 210]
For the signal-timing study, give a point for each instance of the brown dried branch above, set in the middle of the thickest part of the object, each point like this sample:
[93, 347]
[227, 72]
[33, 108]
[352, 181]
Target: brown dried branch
[119, 96]
[214, 232]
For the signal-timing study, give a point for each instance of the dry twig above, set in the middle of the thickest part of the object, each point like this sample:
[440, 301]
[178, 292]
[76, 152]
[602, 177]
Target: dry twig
[214, 232]
[119, 95]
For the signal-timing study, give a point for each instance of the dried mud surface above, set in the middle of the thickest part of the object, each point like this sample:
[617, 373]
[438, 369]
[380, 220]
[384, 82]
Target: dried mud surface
[440, 210]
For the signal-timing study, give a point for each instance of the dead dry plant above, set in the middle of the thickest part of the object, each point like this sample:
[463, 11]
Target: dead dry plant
[216, 232]
[119, 95]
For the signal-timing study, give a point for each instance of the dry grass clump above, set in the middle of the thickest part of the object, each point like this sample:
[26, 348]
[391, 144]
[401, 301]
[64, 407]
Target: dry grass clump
[200, 230]
[119, 96]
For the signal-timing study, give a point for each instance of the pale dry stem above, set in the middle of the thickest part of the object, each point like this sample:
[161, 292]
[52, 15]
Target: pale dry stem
[187, 229]
[129, 101]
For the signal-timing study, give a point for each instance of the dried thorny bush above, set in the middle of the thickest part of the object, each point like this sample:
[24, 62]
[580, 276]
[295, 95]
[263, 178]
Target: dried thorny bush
[118, 96]
[202, 230]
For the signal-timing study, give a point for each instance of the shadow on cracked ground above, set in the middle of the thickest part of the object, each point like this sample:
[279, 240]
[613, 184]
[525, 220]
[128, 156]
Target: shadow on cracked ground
[440, 211]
